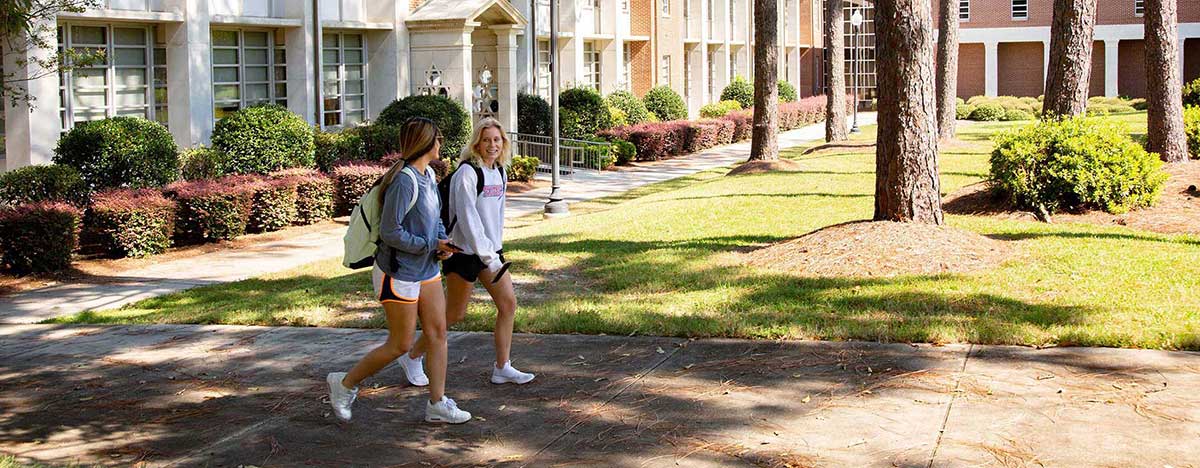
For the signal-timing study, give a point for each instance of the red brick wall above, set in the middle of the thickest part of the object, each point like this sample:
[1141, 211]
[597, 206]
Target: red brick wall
[1191, 60]
[642, 68]
[998, 13]
[970, 70]
[810, 71]
[1019, 67]
[1131, 69]
[641, 15]
[1096, 77]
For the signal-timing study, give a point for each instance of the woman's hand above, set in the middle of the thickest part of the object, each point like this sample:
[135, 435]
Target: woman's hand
[445, 249]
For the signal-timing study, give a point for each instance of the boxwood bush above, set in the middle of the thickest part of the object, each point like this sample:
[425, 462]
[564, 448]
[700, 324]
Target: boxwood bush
[988, 112]
[448, 114]
[38, 237]
[634, 109]
[1191, 93]
[201, 162]
[522, 168]
[625, 151]
[535, 115]
[54, 182]
[739, 90]
[719, 109]
[120, 152]
[582, 113]
[665, 103]
[1191, 126]
[261, 139]
[1075, 164]
[131, 223]
[787, 92]
[332, 148]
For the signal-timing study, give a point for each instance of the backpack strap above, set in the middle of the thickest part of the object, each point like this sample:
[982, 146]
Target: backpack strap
[412, 175]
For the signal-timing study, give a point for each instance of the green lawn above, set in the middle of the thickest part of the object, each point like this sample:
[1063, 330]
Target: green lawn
[656, 262]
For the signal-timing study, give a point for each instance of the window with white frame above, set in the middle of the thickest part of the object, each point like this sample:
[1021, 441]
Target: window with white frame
[666, 7]
[591, 65]
[343, 79]
[625, 6]
[964, 10]
[1139, 7]
[627, 67]
[687, 75]
[664, 78]
[544, 68]
[247, 70]
[1020, 9]
[126, 81]
[712, 74]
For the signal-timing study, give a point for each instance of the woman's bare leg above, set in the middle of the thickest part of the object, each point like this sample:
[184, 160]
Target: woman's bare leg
[506, 311]
[458, 295]
[402, 324]
[432, 310]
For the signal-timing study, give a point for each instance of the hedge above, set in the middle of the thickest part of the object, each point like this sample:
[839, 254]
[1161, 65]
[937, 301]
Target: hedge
[1191, 126]
[535, 115]
[333, 148]
[38, 237]
[665, 103]
[626, 152]
[743, 124]
[522, 168]
[350, 182]
[314, 195]
[581, 114]
[274, 205]
[54, 182]
[719, 109]
[635, 110]
[202, 162]
[1191, 93]
[211, 210]
[739, 90]
[261, 139]
[446, 113]
[787, 92]
[131, 223]
[120, 152]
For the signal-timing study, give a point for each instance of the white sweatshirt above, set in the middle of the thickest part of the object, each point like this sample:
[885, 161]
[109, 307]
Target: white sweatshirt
[478, 217]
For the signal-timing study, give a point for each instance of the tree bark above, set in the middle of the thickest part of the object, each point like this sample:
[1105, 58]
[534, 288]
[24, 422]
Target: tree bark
[835, 51]
[1165, 134]
[907, 188]
[1070, 57]
[764, 145]
[947, 67]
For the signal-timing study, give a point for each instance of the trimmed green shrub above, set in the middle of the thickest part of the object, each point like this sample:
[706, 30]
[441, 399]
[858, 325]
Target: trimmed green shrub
[959, 101]
[1099, 110]
[617, 117]
[1016, 114]
[1073, 164]
[988, 112]
[1191, 126]
[350, 182]
[665, 103]
[201, 162]
[446, 113]
[582, 113]
[211, 210]
[1138, 104]
[274, 205]
[634, 109]
[534, 112]
[787, 92]
[741, 91]
[131, 223]
[332, 148]
[379, 140]
[522, 168]
[120, 152]
[963, 111]
[1191, 93]
[743, 124]
[54, 182]
[719, 109]
[314, 195]
[38, 237]
[262, 139]
[625, 151]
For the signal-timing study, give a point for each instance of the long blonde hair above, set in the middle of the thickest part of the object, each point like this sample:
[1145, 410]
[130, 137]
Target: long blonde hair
[417, 138]
[470, 154]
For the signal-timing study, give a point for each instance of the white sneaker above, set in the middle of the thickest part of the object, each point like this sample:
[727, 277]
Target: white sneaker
[445, 411]
[340, 397]
[508, 374]
[414, 370]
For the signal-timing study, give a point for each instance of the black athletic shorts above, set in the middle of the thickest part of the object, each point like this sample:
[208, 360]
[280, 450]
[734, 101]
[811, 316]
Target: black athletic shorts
[466, 266]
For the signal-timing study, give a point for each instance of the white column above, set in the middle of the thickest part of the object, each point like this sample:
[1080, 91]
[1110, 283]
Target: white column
[1045, 60]
[507, 74]
[1110, 67]
[990, 68]
[300, 44]
[31, 128]
[387, 56]
[189, 75]
[465, 76]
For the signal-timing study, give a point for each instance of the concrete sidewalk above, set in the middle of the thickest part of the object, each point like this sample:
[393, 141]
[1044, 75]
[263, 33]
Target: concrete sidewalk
[230, 396]
[234, 265]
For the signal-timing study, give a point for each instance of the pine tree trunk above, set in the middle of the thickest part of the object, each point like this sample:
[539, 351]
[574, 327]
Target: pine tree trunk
[1164, 119]
[947, 67]
[835, 50]
[1070, 57]
[764, 145]
[907, 188]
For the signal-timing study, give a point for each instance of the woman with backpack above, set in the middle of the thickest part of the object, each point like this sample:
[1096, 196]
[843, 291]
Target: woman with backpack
[476, 224]
[405, 276]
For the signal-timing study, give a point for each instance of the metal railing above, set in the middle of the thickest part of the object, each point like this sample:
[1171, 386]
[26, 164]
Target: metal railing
[573, 154]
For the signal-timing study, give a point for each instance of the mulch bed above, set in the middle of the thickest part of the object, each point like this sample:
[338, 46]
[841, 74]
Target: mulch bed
[763, 167]
[1177, 210]
[882, 249]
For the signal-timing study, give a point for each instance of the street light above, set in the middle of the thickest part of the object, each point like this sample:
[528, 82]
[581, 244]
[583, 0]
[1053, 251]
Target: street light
[556, 207]
[856, 21]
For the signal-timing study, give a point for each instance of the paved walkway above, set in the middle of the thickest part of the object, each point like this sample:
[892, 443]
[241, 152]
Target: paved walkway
[230, 396]
[271, 257]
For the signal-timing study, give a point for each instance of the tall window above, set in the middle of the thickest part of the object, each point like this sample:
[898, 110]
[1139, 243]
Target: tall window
[712, 74]
[625, 6]
[733, 66]
[248, 68]
[121, 83]
[1139, 7]
[664, 78]
[1020, 9]
[666, 7]
[544, 68]
[627, 67]
[687, 75]
[964, 10]
[343, 79]
[591, 65]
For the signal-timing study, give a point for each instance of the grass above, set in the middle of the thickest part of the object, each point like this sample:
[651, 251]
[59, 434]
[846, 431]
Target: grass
[7, 461]
[655, 261]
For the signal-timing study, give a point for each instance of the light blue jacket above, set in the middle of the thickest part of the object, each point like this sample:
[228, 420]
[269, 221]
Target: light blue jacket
[408, 247]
